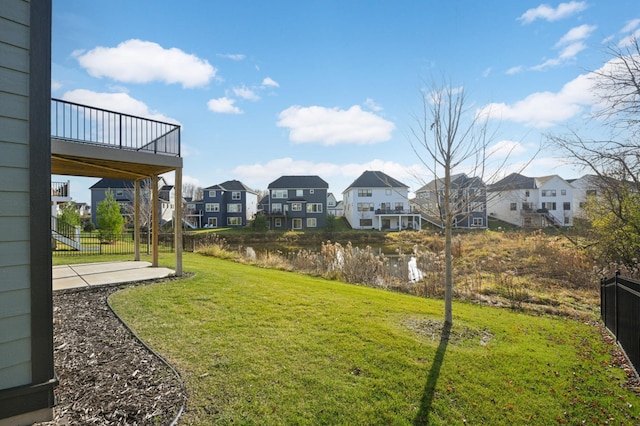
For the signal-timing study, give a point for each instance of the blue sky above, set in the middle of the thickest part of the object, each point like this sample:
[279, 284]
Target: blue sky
[265, 89]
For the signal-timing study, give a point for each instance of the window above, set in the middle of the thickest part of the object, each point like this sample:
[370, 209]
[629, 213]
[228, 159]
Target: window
[234, 221]
[191, 206]
[279, 193]
[212, 194]
[387, 191]
[566, 220]
[277, 223]
[566, 206]
[526, 193]
[119, 193]
[314, 208]
[549, 206]
[365, 193]
[583, 204]
[312, 222]
[236, 195]
[399, 207]
[366, 223]
[365, 207]
[548, 192]
[296, 223]
[591, 192]
[212, 222]
[563, 192]
[212, 207]
[311, 191]
[234, 208]
[513, 207]
[296, 207]
[299, 192]
[477, 221]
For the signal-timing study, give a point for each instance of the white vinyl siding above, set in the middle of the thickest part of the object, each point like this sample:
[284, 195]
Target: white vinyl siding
[15, 291]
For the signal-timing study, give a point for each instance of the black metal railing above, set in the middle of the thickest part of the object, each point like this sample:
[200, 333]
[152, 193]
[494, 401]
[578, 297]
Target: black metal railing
[95, 243]
[63, 228]
[620, 312]
[59, 189]
[85, 124]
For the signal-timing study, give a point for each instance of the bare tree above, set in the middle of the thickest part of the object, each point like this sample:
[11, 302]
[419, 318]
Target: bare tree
[614, 159]
[448, 136]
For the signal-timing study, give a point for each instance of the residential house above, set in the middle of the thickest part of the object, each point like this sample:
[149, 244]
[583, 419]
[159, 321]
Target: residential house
[83, 209]
[297, 202]
[334, 207]
[123, 191]
[230, 203]
[193, 213]
[468, 201]
[27, 378]
[375, 200]
[532, 201]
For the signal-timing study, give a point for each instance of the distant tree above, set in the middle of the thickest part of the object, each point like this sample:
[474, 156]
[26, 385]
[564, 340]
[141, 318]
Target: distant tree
[109, 218]
[613, 158]
[331, 222]
[69, 214]
[260, 223]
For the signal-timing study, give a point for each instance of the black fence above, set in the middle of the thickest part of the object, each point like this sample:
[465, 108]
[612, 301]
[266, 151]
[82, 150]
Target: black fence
[94, 243]
[620, 311]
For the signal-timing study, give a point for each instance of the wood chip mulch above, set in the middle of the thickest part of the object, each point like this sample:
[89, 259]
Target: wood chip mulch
[107, 377]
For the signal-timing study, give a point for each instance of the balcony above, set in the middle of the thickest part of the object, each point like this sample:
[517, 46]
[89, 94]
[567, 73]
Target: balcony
[94, 142]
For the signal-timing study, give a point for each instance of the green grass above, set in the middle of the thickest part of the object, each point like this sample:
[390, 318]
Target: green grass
[259, 346]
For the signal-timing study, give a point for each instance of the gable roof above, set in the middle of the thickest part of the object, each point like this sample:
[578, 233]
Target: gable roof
[375, 179]
[293, 182]
[460, 180]
[107, 183]
[513, 181]
[231, 185]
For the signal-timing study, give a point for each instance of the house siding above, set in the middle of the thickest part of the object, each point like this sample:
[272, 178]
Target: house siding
[26, 310]
[15, 304]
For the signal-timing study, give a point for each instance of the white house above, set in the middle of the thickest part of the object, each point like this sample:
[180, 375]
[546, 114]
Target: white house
[583, 188]
[334, 207]
[375, 200]
[532, 201]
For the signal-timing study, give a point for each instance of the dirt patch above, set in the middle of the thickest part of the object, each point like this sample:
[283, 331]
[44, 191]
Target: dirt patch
[458, 335]
[107, 377]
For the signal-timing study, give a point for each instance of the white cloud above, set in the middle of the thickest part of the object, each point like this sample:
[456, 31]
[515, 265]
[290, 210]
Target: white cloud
[233, 56]
[548, 13]
[515, 70]
[372, 105]
[246, 93]
[331, 126]
[630, 39]
[487, 72]
[55, 85]
[576, 34]
[138, 61]
[506, 148]
[119, 102]
[570, 44]
[269, 82]
[546, 109]
[224, 105]
[630, 26]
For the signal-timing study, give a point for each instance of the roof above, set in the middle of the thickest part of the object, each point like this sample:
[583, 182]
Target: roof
[230, 185]
[513, 181]
[460, 180]
[293, 182]
[375, 179]
[106, 183]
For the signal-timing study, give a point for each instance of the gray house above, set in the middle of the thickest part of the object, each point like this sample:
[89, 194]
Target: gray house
[468, 200]
[123, 191]
[231, 203]
[27, 376]
[297, 202]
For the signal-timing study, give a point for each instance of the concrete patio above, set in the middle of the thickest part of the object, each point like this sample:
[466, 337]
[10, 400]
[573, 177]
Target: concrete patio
[103, 273]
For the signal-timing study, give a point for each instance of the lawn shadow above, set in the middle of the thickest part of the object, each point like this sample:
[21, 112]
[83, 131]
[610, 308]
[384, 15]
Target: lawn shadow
[422, 418]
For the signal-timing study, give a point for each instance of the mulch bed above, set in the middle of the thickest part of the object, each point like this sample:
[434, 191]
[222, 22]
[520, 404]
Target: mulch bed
[107, 377]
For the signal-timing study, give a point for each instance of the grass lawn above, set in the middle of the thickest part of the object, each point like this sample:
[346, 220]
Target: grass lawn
[259, 346]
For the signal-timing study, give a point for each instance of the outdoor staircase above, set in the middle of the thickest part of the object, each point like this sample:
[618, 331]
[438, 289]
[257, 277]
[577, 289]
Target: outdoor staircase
[65, 233]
